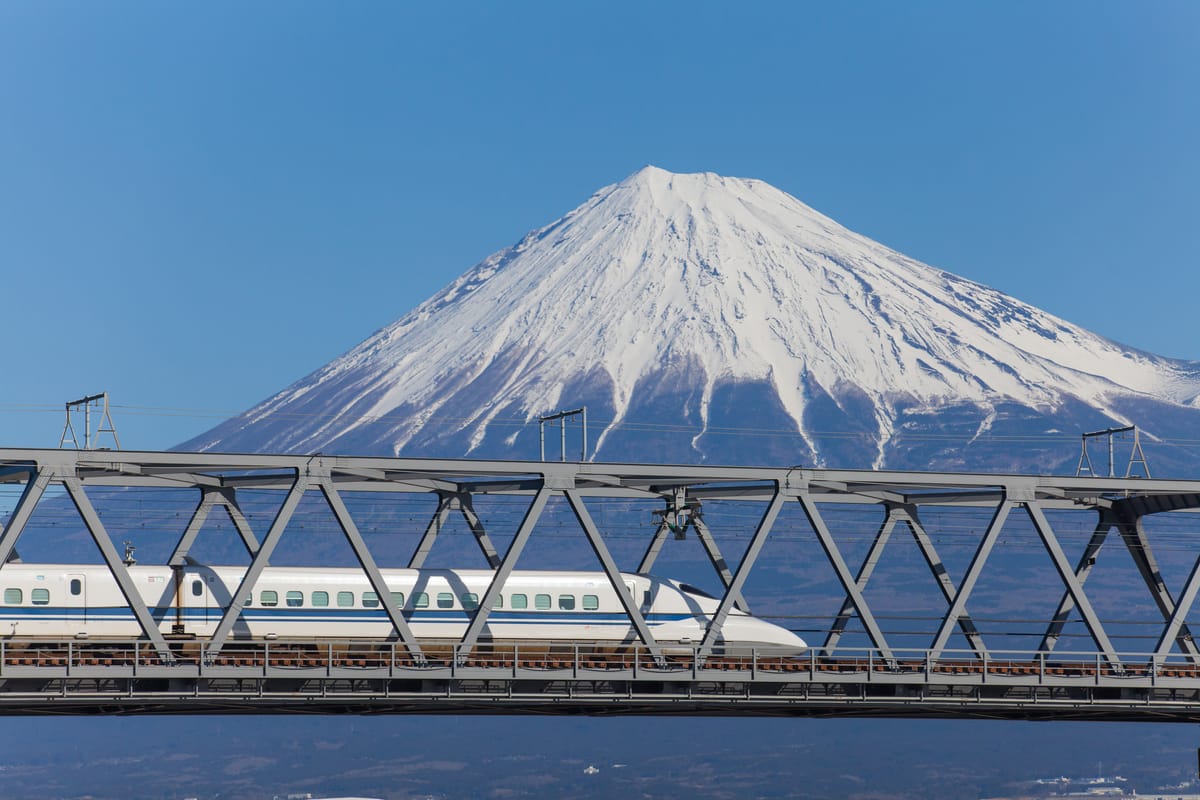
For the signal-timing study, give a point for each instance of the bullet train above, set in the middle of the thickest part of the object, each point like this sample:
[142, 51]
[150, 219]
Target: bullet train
[81, 601]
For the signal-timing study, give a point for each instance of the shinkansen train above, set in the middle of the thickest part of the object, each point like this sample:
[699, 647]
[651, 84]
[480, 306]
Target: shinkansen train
[75, 601]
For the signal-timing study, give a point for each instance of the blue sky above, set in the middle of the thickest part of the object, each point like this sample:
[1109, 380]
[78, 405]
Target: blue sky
[200, 204]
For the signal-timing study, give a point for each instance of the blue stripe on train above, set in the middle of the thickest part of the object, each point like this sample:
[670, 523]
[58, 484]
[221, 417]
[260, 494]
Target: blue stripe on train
[52, 613]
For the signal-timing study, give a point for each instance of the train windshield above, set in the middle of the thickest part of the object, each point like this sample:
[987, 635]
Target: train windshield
[687, 588]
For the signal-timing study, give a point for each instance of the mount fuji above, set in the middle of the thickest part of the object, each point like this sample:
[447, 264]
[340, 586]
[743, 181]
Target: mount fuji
[702, 318]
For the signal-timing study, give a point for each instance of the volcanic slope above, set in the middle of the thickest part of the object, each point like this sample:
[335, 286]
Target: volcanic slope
[710, 319]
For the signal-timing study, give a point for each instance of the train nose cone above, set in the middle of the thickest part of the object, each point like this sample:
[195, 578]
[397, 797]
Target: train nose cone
[770, 635]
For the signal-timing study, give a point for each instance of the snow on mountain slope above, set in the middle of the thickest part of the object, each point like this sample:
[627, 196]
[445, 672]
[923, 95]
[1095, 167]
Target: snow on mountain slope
[703, 291]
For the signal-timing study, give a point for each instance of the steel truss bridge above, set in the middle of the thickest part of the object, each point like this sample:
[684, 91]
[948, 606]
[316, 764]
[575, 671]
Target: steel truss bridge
[857, 669]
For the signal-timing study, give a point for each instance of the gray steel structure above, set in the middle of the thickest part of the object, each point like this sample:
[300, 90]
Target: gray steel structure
[226, 675]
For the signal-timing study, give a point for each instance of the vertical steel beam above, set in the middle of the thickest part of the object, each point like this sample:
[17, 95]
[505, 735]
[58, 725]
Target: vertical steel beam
[431, 532]
[229, 501]
[938, 568]
[480, 617]
[652, 551]
[466, 508]
[179, 554]
[367, 562]
[718, 561]
[446, 504]
[1073, 585]
[35, 487]
[1133, 533]
[958, 607]
[1175, 625]
[676, 504]
[614, 575]
[739, 577]
[864, 575]
[1082, 570]
[258, 563]
[116, 566]
[908, 515]
[210, 498]
[843, 575]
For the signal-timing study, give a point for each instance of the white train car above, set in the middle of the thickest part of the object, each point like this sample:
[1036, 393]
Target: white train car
[64, 601]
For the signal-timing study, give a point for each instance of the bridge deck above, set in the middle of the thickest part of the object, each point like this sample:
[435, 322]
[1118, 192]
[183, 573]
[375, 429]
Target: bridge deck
[38, 677]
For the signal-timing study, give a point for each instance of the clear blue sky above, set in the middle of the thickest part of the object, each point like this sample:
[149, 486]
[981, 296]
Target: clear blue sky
[201, 203]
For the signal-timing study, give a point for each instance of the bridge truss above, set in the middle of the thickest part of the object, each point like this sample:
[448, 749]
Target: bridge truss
[1077, 660]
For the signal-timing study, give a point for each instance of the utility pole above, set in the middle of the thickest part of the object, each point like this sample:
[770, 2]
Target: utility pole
[100, 401]
[561, 418]
[1136, 456]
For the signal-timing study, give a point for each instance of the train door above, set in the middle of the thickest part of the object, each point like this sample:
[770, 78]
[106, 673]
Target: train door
[631, 590]
[189, 609]
[76, 598]
[195, 598]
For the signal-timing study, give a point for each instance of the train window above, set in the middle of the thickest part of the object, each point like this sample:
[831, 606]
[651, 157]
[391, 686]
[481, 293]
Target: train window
[197, 588]
[370, 600]
[249, 599]
[398, 599]
[499, 601]
[519, 601]
[470, 600]
[345, 599]
[566, 602]
[420, 600]
[541, 601]
[591, 602]
[294, 599]
[687, 588]
[40, 597]
[76, 586]
[320, 599]
[12, 597]
[445, 600]
[269, 597]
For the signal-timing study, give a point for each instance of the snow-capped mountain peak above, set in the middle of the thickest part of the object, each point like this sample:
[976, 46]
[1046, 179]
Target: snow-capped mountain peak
[689, 286]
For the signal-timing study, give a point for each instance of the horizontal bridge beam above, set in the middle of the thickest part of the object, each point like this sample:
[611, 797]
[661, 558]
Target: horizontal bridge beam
[221, 470]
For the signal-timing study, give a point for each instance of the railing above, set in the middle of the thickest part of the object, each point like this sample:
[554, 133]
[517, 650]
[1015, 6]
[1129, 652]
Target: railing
[278, 657]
